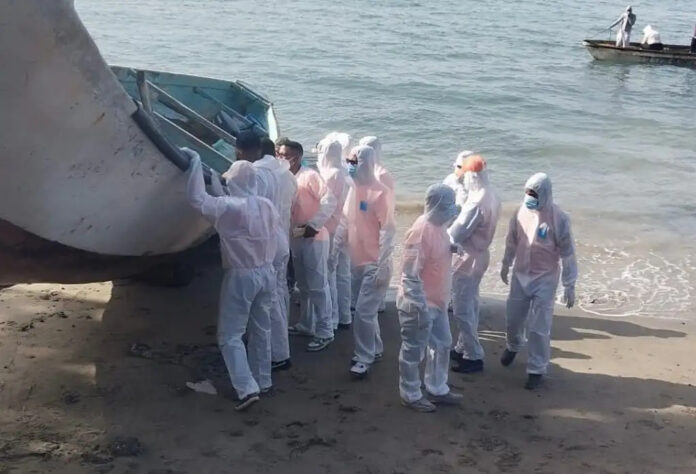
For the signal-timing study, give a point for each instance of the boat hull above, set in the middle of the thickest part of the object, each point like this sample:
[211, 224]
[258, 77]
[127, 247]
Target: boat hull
[27, 258]
[75, 168]
[671, 54]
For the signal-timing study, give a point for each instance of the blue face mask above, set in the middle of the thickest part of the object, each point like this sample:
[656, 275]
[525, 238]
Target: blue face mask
[304, 162]
[352, 169]
[531, 202]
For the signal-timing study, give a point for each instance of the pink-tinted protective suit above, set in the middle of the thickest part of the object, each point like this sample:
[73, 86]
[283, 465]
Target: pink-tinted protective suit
[367, 229]
[314, 205]
[330, 165]
[423, 295]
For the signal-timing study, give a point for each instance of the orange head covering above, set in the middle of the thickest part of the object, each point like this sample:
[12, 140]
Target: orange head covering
[474, 163]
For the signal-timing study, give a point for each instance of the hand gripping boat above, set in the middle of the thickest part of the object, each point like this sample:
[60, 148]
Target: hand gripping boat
[91, 176]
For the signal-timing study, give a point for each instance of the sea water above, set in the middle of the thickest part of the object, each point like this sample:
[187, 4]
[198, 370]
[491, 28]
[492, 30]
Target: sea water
[510, 80]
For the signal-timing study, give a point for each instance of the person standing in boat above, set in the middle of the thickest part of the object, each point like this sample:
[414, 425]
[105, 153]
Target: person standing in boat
[625, 22]
[247, 225]
[693, 42]
[651, 39]
[313, 206]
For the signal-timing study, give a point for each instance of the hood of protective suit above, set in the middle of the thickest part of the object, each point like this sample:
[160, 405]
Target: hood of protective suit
[365, 173]
[540, 183]
[649, 30]
[329, 155]
[376, 145]
[475, 173]
[342, 138]
[459, 162]
[440, 205]
[241, 179]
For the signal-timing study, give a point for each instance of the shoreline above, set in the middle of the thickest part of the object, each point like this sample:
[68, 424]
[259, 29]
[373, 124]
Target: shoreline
[70, 388]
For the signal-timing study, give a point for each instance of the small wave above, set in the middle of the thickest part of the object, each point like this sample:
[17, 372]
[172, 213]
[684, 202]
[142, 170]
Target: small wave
[613, 282]
[616, 283]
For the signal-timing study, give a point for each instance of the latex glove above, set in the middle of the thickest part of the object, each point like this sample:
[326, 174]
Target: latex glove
[310, 232]
[504, 274]
[192, 155]
[569, 296]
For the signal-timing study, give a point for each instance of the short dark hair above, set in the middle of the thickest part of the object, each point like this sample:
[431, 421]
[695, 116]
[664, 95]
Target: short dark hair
[267, 146]
[293, 145]
[248, 140]
[280, 141]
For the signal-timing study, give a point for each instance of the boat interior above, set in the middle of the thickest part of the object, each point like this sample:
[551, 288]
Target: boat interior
[203, 114]
[666, 48]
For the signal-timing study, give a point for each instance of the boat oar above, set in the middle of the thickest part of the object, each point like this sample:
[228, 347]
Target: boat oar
[144, 90]
[148, 125]
[600, 31]
[144, 118]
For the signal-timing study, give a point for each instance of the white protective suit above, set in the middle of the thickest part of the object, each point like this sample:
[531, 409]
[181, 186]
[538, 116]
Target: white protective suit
[455, 180]
[651, 36]
[314, 205]
[536, 241]
[344, 139]
[367, 229]
[625, 22]
[384, 177]
[277, 183]
[248, 228]
[423, 296]
[329, 163]
[472, 232]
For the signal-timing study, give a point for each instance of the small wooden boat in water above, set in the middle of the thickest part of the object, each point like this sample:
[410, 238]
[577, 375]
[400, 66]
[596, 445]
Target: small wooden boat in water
[91, 176]
[675, 55]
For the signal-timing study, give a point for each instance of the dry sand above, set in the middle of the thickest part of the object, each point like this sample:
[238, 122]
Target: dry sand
[619, 400]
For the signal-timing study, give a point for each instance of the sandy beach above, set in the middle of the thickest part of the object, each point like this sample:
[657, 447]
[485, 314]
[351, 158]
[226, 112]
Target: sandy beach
[77, 396]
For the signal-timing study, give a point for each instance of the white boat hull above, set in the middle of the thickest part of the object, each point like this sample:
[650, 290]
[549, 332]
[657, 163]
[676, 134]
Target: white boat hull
[675, 55]
[75, 169]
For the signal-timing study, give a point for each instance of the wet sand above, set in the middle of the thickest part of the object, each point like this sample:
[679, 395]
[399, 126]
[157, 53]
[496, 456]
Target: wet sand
[75, 399]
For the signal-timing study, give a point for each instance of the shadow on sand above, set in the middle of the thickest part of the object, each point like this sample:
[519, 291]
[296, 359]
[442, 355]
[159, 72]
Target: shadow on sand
[321, 421]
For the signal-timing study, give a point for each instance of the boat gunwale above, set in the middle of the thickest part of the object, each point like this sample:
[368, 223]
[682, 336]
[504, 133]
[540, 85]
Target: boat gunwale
[216, 82]
[680, 51]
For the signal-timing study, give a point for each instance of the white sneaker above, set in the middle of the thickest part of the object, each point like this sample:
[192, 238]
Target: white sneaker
[359, 370]
[422, 406]
[450, 398]
[378, 357]
[294, 331]
[318, 343]
[246, 402]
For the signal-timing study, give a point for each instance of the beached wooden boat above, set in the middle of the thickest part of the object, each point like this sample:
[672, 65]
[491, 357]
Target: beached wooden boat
[91, 176]
[675, 55]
